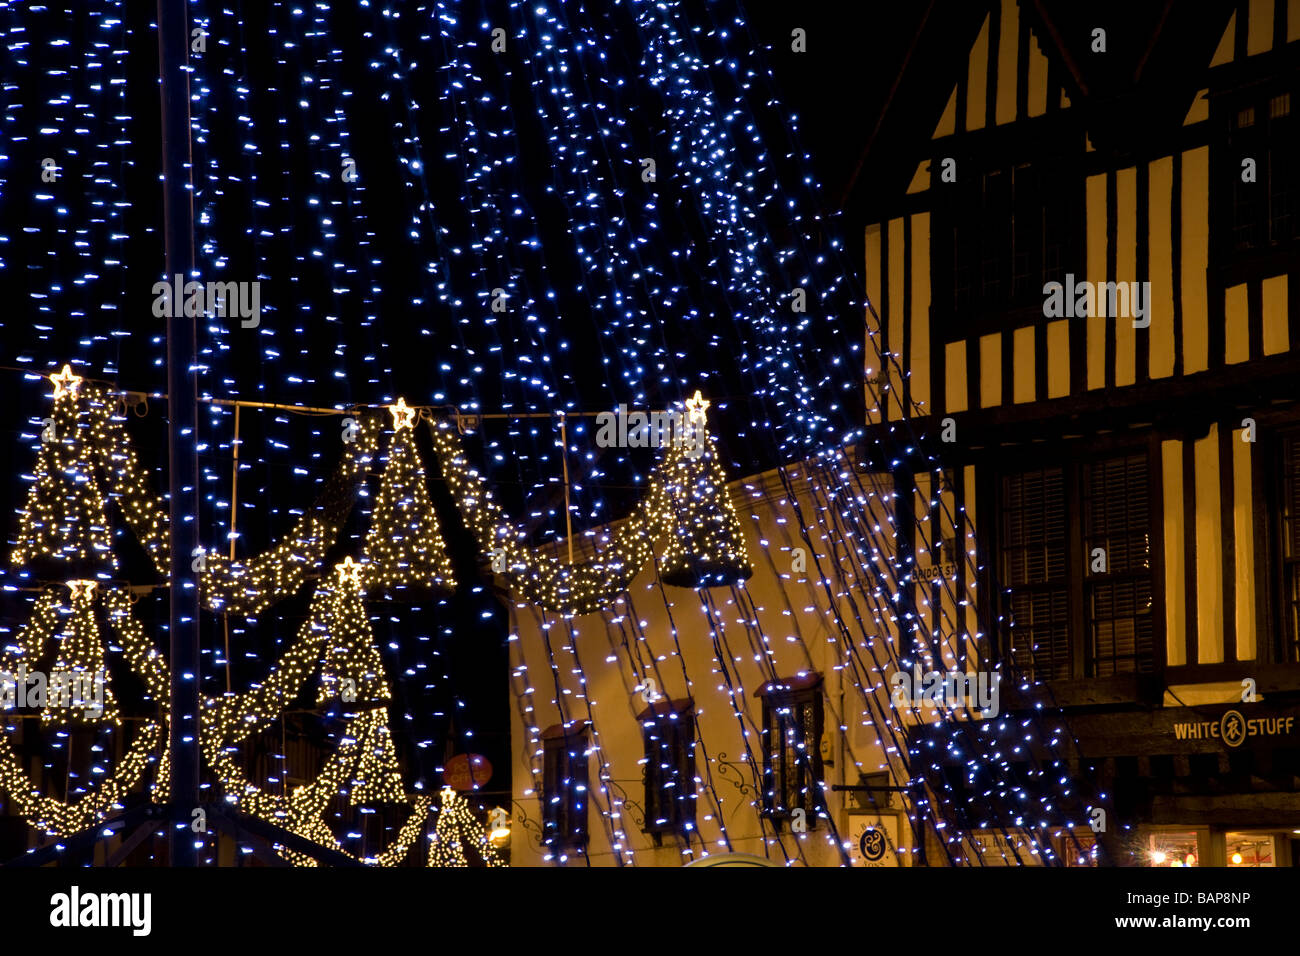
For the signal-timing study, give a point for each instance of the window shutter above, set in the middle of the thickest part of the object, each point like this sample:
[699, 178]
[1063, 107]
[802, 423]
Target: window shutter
[1118, 601]
[1034, 569]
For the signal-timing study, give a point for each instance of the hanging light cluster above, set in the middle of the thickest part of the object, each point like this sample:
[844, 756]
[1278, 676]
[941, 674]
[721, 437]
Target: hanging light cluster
[686, 502]
[80, 663]
[81, 655]
[456, 829]
[336, 641]
[85, 446]
[352, 673]
[64, 523]
[706, 547]
[251, 586]
[404, 545]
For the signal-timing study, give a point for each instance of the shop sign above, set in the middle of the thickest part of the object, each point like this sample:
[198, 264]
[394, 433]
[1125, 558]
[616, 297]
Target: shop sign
[874, 839]
[1234, 728]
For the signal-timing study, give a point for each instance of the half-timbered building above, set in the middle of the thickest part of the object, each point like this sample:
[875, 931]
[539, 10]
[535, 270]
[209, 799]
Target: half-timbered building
[1086, 297]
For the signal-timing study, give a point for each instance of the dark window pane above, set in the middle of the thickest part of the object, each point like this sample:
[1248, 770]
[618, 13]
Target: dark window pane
[792, 768]
[565, 791]
[1034, 570]
[669, 772]
[1290, 501]
[1118, 600]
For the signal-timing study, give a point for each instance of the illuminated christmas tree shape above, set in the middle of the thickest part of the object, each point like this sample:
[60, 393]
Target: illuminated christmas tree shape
[456, 830]
[80, 670]
[686, 501]
[337, 642]
[706, 546]
[337, 639]
[64, 521]
[404, 545]
[352, 672]
[63, 817]
[85, 446]
[82, 447]
[64, 526]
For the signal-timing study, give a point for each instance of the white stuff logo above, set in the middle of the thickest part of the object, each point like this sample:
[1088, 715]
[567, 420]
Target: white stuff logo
[1234, 729]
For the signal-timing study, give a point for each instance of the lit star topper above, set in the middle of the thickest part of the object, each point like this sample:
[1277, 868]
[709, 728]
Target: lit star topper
[695, 408]
[403, 415]
[65, 383]
[82, 589]
[349, 572]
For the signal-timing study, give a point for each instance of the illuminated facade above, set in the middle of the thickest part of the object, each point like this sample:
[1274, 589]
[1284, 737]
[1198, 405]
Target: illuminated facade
[1085, 314]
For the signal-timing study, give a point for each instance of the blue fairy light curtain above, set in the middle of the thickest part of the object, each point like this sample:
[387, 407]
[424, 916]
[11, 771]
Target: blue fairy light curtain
[524, 212]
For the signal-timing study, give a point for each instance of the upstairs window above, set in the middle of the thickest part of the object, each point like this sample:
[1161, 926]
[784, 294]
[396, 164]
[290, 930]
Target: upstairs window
[998, 237]
[1290, 528]
[1034, 569]
[791, 738]
[668, 733]
[1261, 214]
[1074, 558]
[1117, 537]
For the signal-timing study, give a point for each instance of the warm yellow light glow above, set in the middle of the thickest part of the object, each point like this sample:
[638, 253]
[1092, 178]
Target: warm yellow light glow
[47, 813]
[87, 445]
[83, 589]
[695, 408]
[88, 434]
[456, 829]
[499, 835]
[403, 415]
[336, 638]
[255, 584]
[348, 572]
[65, 516]
[82, 652]
[87, 459]
[404, 545]
[686, 503]
[65, 383]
